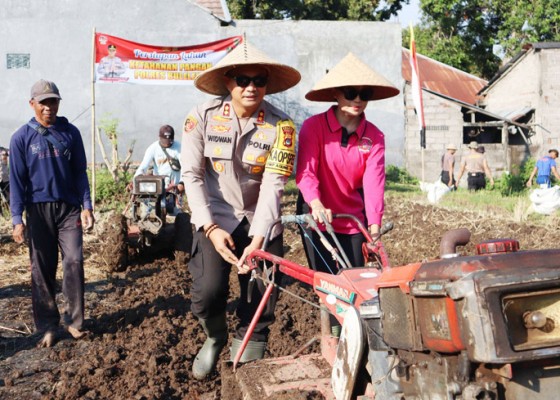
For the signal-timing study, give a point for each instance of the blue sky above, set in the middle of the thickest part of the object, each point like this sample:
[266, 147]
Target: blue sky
[409, 14]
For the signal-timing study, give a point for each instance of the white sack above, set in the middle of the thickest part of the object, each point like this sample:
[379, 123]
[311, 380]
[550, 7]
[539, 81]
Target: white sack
[435, 190]
[545, 201]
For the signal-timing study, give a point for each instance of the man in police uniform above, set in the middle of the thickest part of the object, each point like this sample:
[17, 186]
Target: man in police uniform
[237, 154]
[111, 66]
[477, 169]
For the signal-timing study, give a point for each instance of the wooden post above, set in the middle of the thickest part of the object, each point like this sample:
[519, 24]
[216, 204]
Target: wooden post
[422, 154]
[93, 182]
[505, 144]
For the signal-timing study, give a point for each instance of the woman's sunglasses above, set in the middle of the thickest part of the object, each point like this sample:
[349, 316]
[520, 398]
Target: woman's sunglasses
[244, 80]
[350, 93]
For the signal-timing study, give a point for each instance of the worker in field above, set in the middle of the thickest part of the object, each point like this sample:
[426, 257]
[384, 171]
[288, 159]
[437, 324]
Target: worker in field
[341, 170]
[238, 151]
[448, 166]
[163, 157]
[341, 158]
[543, 169]
[49, 186]
[476, 167]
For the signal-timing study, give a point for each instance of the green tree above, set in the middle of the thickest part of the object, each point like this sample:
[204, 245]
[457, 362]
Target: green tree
[528, 22]
[328, 10]
[464, 33]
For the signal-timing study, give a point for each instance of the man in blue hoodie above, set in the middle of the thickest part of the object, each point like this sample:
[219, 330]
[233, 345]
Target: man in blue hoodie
[48, 181]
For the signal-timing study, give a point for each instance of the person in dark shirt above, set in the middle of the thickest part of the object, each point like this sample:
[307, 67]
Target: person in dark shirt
[4, 174]
[48, 181]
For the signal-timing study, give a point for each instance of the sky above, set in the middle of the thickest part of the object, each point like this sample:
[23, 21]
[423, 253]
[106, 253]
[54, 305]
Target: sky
[409, 14]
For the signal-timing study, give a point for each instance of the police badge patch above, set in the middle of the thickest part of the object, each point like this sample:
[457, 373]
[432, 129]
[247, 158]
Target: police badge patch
[365, 144]
[190, 124]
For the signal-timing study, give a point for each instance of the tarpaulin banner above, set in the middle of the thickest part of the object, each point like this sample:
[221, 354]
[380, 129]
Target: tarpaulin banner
[122, 61]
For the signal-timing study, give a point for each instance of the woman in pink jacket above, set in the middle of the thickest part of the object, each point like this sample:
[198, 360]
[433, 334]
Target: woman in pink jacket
[341, 158]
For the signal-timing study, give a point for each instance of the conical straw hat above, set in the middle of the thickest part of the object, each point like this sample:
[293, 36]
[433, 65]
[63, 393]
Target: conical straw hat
[280, 76]
[351, 71]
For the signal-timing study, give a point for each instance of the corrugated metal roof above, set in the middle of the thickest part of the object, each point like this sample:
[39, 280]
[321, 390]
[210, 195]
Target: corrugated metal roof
[515, 113]
[478, 109]
[218, 8]
[443, 79]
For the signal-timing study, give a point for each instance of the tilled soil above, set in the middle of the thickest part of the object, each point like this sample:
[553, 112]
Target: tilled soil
[142, 336]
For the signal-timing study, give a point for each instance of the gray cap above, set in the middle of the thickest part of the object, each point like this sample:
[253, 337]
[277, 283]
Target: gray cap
[43, 89]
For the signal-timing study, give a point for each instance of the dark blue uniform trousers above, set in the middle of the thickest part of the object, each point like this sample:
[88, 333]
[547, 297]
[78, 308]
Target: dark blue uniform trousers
[210, 287]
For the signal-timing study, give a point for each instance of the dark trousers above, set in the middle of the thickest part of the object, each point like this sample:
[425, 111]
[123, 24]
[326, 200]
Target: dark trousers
[476, 181]
[5, 188]
[351, 244]
[317, 255]
[210, 287]
[52, 226]
[445, 178]
[305, 233]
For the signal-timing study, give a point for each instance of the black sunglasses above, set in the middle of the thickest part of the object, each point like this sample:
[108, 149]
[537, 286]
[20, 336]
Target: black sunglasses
[244, 80]
[350, 93]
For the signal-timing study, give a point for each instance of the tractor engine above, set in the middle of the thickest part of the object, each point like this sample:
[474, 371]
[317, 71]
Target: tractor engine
[474, 327]
[149, 193]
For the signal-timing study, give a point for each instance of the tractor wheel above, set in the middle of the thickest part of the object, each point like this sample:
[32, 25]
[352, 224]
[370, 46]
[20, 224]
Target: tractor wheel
[114, 251]
[183, 239]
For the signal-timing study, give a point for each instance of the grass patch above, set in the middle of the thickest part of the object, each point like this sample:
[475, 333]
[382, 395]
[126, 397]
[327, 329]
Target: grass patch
[403, 188]
[480, 200]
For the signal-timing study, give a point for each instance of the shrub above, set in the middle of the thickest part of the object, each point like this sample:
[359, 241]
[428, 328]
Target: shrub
[108, 193]
[394, 174]
[514, 182]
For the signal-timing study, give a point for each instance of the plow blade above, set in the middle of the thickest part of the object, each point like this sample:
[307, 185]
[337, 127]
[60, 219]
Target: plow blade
[349, 354]
[308, 375]
[268, 378]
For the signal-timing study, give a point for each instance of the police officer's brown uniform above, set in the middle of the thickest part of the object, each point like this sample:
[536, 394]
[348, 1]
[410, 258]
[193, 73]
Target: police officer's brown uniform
[235, 170]
[476, 178]
[236, 184]
[476, 167]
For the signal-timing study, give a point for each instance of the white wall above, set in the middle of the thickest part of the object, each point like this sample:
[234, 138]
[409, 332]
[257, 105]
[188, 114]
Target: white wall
[533, 82]
[444, 125]
[316, 46]
[58, 35]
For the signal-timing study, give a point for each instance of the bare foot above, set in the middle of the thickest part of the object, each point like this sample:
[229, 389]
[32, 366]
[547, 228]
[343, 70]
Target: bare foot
[76, 333]
[48, 340]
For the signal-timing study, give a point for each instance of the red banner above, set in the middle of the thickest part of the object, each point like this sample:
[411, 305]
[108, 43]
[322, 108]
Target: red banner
[122, 61]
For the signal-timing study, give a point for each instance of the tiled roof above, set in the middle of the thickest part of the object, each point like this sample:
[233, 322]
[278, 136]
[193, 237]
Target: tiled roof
[218, 8]
[443, 79]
